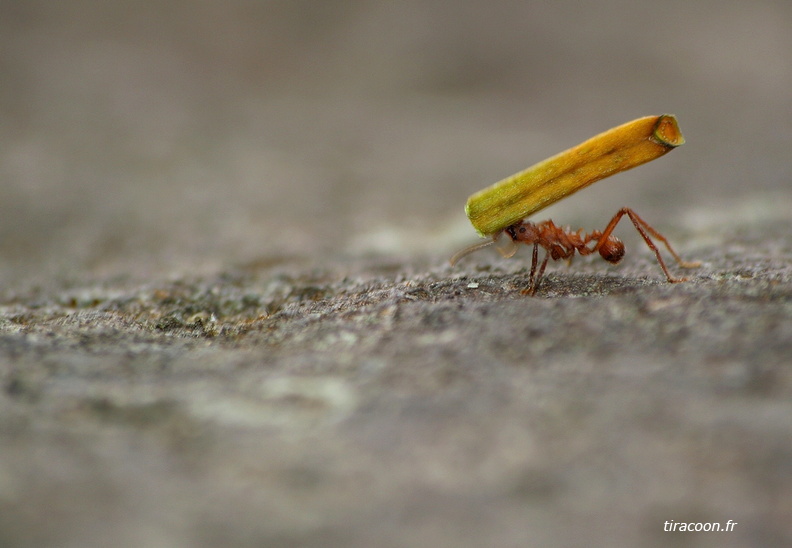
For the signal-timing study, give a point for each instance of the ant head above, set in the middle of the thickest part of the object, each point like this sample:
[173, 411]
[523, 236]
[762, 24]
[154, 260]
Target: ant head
[612, 249]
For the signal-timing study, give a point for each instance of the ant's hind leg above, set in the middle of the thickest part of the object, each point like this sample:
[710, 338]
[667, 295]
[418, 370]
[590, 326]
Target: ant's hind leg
[643, 227]
[636, 220]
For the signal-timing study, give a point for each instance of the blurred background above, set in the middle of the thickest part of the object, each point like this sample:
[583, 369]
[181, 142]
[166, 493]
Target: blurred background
[153, 137]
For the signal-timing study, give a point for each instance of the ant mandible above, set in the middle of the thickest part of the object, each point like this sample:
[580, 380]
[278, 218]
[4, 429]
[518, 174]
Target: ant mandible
[562, 243]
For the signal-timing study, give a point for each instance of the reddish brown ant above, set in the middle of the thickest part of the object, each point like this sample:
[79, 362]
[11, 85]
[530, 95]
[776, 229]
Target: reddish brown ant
[562, 243]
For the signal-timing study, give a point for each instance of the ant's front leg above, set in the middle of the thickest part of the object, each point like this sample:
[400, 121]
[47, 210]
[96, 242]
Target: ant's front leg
[533, 277]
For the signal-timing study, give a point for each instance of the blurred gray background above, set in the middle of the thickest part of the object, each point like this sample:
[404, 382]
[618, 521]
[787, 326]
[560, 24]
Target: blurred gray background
[150, 137]
[227, 317]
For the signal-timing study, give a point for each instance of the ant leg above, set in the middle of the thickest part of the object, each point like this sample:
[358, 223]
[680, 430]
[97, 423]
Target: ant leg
[534, 261]
[636, 219]
[643, 227]
[541, 273]
[532, 275]
[535, 280]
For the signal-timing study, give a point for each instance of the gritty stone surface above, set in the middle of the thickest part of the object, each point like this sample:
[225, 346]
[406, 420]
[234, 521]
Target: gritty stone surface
[272, 407]
[227, 317]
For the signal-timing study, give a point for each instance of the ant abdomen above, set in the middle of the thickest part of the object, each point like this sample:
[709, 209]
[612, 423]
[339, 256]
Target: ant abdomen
[612, 249]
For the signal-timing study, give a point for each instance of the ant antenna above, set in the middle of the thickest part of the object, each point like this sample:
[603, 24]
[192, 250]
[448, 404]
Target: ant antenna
[468, 250]
[507, 247]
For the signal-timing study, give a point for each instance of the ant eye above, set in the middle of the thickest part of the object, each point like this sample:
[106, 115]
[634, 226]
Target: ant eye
[522, 230]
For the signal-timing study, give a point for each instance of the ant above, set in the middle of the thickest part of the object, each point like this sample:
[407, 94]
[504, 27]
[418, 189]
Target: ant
[562, 243]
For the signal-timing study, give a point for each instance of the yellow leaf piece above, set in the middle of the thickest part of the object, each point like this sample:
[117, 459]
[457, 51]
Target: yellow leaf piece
[624, 147]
